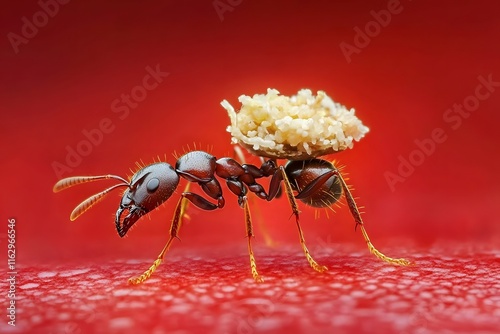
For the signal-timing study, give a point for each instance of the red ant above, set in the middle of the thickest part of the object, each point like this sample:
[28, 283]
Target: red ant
[316, 182]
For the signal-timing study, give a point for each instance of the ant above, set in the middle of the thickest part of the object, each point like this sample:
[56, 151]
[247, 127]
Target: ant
[315, 182]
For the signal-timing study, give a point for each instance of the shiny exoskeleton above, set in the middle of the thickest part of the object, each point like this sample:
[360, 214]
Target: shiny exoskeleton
[315, 182]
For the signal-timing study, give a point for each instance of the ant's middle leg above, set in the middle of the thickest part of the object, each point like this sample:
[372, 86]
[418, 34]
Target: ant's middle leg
[296, 212]
[250, 235]
[260, 221]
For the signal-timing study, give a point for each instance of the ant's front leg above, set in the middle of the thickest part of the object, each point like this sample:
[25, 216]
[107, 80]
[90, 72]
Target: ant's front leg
[275, 181]
[180, 213]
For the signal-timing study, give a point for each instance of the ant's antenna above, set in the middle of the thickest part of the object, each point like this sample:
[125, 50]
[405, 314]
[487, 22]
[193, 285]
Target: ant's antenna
[92, 200]
[76, 180]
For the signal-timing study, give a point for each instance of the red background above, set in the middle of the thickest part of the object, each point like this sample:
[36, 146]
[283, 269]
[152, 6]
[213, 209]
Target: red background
[64, 80]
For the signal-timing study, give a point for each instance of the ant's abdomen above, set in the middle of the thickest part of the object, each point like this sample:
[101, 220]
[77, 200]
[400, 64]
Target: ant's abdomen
[303, 173]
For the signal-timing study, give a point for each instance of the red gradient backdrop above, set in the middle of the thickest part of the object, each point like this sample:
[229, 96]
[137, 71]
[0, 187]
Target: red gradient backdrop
[64, 81]
[68, 77]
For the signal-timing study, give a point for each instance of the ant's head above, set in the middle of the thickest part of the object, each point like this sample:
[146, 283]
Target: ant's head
[148, 188]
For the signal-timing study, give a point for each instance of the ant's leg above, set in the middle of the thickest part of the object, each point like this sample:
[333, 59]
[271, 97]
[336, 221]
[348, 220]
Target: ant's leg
[249, 235]
[174, 230]
[357, 218]
[262, 227]
[184, 206]
[295, 209]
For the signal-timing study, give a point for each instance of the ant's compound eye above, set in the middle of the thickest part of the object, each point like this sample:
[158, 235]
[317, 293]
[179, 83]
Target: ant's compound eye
[152, 185]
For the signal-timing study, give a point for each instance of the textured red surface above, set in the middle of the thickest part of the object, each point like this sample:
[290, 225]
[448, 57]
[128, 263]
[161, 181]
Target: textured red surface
[445, 291]
[63, 82]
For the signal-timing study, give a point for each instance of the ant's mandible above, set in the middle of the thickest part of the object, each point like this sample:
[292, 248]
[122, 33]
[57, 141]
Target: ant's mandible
[315, 182]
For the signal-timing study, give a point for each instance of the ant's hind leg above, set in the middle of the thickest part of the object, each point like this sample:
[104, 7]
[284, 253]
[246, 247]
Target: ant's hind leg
[357, 218]
[249, 235]
[295, 209]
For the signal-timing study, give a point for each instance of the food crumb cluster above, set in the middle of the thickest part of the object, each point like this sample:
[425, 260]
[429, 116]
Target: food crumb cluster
[298, 127]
